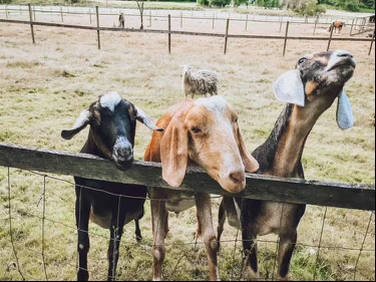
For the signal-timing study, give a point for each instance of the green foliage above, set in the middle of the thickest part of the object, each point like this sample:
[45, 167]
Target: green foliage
[237, 3]
[311, 8]
[350, 5]
[5, 1]
[219, 3]
[203, 2]
[268, 3]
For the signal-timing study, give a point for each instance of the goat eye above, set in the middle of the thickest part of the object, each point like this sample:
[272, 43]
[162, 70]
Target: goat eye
[195, 130]
[302, 60]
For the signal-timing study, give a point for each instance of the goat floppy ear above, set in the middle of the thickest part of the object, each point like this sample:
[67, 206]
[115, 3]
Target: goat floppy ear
[142, 117]
[345, 116]
[250, 163]
[174, 151]
[289, 88]
[82, 121]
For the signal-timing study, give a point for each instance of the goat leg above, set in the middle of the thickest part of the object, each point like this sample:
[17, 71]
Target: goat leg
[221, 222]
[205, 221]
[250, 252]
[83, 244]
[286, 249]
[160, 228]
[114, 245]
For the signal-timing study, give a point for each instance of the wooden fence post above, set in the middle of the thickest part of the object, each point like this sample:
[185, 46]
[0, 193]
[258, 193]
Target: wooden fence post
[373, 39]
[213, 21]
[61, 14]
[169, 34]
[316, 21]
[35, 19]
[352, 25]
[99, 38]
[330, 37]
[280, 24]
[181, 19]
[226, 34]
[246, 23]
[150, 18]
[6, 11]
[284, 45]
[31, 23]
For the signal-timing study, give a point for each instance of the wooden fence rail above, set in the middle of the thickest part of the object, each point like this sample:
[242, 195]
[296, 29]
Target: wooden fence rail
[261, 187]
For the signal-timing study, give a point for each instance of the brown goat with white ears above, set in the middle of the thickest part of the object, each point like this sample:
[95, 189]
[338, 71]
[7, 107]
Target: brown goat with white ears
[309, 90]
[111, 205]
[203, 132]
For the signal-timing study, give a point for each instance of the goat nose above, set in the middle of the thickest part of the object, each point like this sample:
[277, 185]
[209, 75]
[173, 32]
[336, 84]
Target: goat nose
[237, 177]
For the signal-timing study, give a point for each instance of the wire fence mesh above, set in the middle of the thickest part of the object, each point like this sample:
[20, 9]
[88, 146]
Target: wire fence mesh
[231, 247]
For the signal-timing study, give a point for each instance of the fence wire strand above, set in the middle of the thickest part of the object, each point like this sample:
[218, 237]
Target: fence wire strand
[115, 240]
[43, 220]
[11, 229]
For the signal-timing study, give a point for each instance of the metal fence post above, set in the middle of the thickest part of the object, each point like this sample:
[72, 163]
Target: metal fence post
[169, 34]
[99, 38]
[226, 35]
[61, 14]
[31, 23]
[284, 45]
[330, 37]
[352, 25]
[373, 39]
[316, 21]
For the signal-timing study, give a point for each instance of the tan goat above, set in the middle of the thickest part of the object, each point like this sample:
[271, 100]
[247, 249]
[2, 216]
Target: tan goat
[203, 132]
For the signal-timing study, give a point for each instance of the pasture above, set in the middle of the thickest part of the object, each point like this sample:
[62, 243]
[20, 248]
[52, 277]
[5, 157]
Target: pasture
[44, 87]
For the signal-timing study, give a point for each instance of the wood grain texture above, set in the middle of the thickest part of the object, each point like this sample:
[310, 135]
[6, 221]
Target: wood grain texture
[259, 187]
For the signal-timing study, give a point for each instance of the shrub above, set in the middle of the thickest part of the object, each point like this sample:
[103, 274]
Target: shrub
[203, 2]
[310, 8]
[219, 3]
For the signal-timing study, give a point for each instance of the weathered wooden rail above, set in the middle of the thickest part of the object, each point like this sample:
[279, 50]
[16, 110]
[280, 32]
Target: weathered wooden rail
[261, 187]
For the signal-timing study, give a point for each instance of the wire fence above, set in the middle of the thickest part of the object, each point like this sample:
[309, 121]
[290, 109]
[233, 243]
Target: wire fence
[236, 273]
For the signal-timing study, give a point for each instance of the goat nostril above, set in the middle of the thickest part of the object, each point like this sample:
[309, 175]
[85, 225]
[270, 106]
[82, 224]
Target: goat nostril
[345, 55]
[237, 177]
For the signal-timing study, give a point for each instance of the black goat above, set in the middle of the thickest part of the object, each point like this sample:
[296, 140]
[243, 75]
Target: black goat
[111, 205]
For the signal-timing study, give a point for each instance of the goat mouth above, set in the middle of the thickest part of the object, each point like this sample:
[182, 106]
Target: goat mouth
[350, 63]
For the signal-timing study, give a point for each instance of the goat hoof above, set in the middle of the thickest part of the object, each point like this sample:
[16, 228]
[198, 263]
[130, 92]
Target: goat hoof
[82, 275]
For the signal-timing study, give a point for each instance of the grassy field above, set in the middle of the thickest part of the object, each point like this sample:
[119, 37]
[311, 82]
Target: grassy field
[43, 88]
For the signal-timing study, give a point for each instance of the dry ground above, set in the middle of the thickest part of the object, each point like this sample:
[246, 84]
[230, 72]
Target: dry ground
[43, 88]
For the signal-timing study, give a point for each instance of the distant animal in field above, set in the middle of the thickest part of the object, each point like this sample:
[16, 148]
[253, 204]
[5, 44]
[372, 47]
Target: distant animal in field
[336, 25]
[122, 20]
[200, 82]
[372, 19]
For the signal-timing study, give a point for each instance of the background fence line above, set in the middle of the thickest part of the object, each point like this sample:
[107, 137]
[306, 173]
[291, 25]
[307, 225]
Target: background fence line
[247, 18]
[226, 35]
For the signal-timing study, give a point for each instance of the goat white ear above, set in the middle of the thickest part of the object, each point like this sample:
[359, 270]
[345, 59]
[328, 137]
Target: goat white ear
[141, 116]
[82, 121]
[345, 116]
[289, 88]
